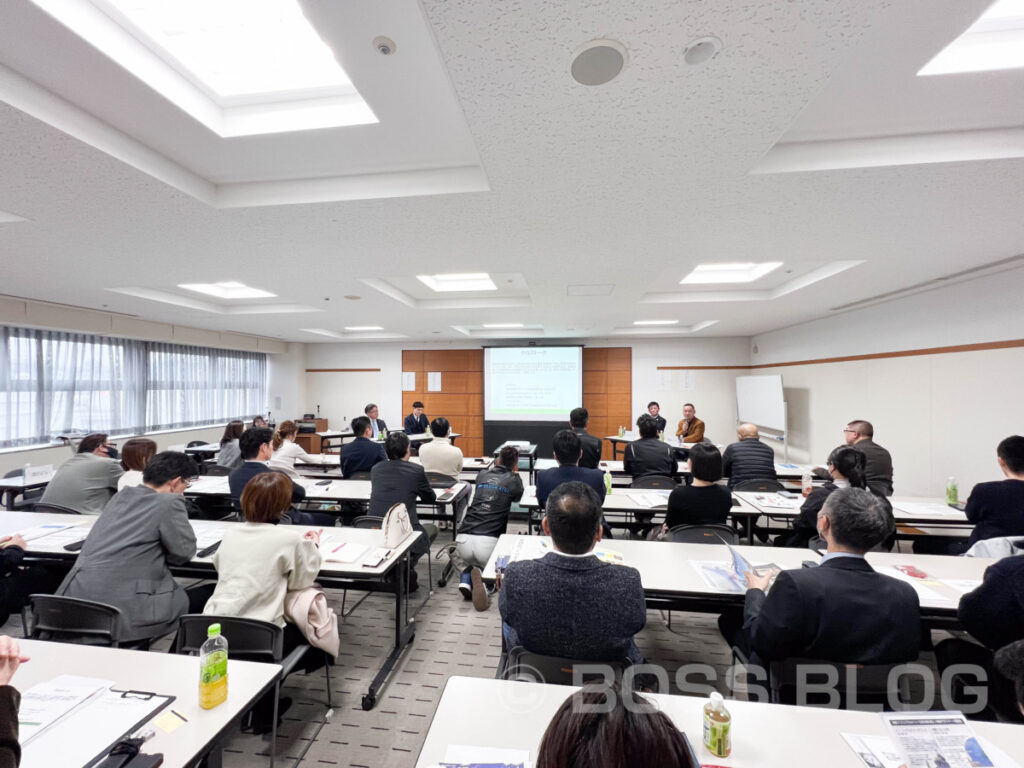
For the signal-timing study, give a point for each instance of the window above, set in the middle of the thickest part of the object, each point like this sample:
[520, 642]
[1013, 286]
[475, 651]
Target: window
[55, 383]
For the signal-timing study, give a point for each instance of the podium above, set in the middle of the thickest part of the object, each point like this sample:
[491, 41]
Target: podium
[310, 442]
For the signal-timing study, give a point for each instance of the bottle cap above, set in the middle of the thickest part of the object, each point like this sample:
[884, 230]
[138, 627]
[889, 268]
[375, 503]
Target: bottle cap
[213, 630]
[716, 700]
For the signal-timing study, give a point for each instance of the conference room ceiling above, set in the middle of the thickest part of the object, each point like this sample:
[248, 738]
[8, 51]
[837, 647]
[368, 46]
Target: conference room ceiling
[807, 140]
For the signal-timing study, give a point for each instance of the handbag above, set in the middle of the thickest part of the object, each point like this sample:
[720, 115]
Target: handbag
[396, 525]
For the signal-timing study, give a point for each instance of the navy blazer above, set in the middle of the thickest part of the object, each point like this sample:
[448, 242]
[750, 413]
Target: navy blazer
[361, 455]
[576, 607]
[841, 611]
[994, 611]
[549, 479]
[415, 426]
[249, 469]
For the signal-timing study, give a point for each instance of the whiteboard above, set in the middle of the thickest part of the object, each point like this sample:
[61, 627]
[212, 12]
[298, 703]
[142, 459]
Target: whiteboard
[759, 400]
[342, 395]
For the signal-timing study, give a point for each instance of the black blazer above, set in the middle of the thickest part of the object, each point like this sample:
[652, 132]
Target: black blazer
[399, 481]
[361, 455]
[996, 509]
[591, 448]
[994, 611]
[842, 611]
[877, 467]
[650, 456]
[577, 607]
[415, 426]
[249, 469]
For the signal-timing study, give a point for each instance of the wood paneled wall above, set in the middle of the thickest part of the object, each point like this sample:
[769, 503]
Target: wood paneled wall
[461, 399]
[608, 390]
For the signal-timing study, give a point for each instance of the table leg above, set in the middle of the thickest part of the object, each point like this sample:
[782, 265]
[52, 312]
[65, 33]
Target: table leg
[405, 631]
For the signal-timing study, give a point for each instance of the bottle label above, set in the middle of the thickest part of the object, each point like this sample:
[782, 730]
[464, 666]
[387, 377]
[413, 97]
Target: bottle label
[717, 739]
[214, 667]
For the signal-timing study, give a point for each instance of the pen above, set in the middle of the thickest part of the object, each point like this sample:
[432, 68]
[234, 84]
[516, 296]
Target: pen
[178, 714]
[339, 547]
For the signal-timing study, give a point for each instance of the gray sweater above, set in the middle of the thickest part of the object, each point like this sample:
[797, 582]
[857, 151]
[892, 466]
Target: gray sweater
[84, 483]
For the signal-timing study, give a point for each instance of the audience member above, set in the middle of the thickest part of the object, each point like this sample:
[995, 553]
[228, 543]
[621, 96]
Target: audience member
[996, 508]
[878, 466]
[845, 467]
[400, 481]
[257, 563]
[87, 480]
[377, 425]
[258, 422]
[286, 451]
[840, 611]
[486, 519]
[748, 459]
[137, 452]
[126, 559]
[18, 581]
[567, 449]
[569, 603]
[591, 444]
[416, 423]
[703, 502]
[690, 429]
[649, 455]
[438, 454]
[10, 700]
[606, 726]
[1009, 661]
[362, 453]
[230, 455]
[653, 410]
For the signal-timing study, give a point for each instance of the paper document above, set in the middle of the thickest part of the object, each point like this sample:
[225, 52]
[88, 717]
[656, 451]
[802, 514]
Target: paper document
[774, 501]
[728, 577]
[925, 593]
[58, 539]
[37, 532]
[650, 499]
[874, 751]
[337, 551]
[930, 739]
[928, 509]
[458, 756]
[44, 704]
[963, 586]
[610, 556]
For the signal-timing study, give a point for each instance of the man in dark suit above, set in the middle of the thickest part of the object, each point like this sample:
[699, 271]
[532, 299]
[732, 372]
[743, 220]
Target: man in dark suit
[568, 450]
[569, 603]
[416, 422]
[362, 454]
[840, 611]
[591, 445]
[649, 455]
[376, 425]
[398, 480]
[878, 468]
[654, 410]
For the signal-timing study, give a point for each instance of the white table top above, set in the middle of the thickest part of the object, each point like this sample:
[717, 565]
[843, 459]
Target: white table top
[19, 482]
[498, 713]
[204, 448]
[905, 509]
[332, 433]
[469, 463]
[423, 436]
[624, 500]
[164, 673]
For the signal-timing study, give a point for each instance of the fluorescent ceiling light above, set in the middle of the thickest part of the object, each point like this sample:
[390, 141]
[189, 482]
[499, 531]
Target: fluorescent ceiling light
[239, 67]
[503, 325]
[322, 332]
[470, 281]
[995, 41]
[738, 272]
[655, 322]
[364, 328]
[228, 290]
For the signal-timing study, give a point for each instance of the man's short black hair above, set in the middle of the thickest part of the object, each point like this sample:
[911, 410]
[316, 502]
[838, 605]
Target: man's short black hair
[566, 446]
[653, 402]
[359, 425]
[508, 457]
[91, 442]
[573, 511]
[858, 519]
[369, 408]
[251, 440]
[862, 427]
[168, 465]
[706, 462]
[1011, 451]
[417, 404]
[439, 427]
[578, 417]
[397, 445]
[691, 405]
[647, 425]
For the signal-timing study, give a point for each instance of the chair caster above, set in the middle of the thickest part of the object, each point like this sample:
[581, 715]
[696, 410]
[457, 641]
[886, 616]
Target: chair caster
[369, 700]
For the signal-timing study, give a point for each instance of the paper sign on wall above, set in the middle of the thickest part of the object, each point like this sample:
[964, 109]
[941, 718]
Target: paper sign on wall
[433, 381]
[671, 380]
[39, 473]
[408, 381]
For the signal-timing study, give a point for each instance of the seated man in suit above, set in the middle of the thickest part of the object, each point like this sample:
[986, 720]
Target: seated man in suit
[399, 480]
[878, 465]
[377, 425]
[256, 449]
[654, 411]
[591, 457]
[87, 480]
[416, 423]
[362, 453]
[748, 459]
[690, 429]
[569, 603]
[840, 611]
[649, 455]
[568, 450]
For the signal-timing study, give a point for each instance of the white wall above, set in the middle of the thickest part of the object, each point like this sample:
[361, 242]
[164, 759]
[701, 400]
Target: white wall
[286, 383]
[938, 415]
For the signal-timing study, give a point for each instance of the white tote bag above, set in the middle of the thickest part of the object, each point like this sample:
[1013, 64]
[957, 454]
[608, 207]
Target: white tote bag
[396, 526]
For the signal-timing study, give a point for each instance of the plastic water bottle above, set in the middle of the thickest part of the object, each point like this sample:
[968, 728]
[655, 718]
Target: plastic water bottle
[952, 491]
[661, 435]
[622, 431]
[717, 726]
[806, 484]
[607, 483]
[213, 668]
[428, 431]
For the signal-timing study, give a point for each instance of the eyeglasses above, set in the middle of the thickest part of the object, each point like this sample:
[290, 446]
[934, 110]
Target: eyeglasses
[852, 431]
[190, 480]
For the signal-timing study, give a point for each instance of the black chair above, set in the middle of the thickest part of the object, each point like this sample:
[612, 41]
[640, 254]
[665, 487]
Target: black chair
[703, 534]
[249, 640]
[216, 470]
[363, 475]
[759, 486]
[524, 666]
[27, 497]
[368, 521]
[869, 682]
[439, 481]
[57, 509]
[663, 482]
[73, 620]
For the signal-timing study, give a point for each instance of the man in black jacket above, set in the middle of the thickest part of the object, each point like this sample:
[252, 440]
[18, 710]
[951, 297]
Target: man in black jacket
[591, 444]
[748, 459]
[840, 611]
[569, 603]
[362, 454]
[649, 455]
[399, 481]
[878, 468]
[486, 519]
